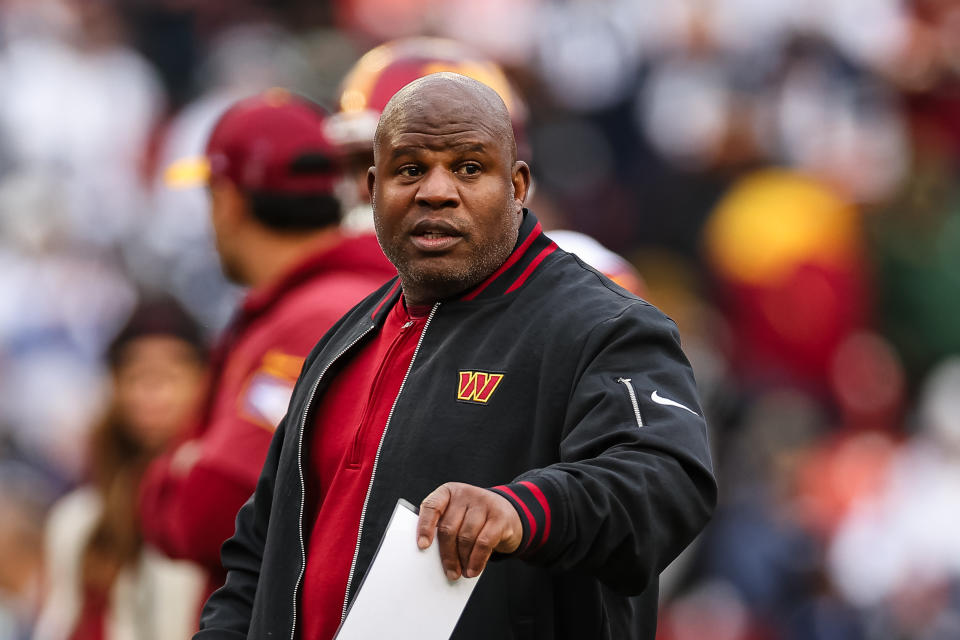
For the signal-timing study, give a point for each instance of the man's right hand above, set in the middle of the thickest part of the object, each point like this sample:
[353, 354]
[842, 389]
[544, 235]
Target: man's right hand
[470, 524]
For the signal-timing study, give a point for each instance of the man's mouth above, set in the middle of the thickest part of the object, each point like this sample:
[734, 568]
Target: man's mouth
[435, 236]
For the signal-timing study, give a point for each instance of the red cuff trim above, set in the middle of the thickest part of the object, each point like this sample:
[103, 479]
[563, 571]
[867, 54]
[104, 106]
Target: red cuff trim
[542, 499]
[531, 523]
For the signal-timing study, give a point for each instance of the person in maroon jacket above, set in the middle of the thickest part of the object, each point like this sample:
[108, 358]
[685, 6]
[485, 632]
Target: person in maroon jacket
[270, 173]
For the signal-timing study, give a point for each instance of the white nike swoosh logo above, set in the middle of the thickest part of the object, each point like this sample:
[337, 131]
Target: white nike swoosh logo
[659, 399]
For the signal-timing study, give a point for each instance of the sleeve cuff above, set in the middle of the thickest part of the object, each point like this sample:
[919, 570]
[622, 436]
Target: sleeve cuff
[534, 511]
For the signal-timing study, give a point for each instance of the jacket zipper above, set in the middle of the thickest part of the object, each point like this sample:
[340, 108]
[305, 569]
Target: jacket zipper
[376, 460]
[303, 486]
[633, 399]
[353, 460]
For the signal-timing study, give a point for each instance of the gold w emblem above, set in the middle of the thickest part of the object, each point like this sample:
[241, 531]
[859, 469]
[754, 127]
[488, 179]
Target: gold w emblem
[477, 386]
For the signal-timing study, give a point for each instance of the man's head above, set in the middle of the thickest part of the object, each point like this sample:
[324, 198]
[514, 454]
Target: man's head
[376, 77]
[446, 185]
[270, 170]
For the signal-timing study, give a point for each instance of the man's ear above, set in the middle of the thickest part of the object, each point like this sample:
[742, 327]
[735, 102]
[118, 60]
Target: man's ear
[371, 182]
[520, 177]
[521, 181]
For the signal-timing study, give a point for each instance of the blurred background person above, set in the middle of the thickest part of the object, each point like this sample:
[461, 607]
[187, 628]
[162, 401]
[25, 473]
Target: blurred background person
[24, 501]
[102, 582]
[270, 172]
[896, 552]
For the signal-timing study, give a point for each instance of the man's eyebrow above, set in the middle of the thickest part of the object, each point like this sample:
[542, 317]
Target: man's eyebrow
[476, 147]
[407, 150]
[413, 149]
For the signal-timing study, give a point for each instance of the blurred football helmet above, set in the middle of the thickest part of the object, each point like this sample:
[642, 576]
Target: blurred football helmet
[386, 69]
[370, 84]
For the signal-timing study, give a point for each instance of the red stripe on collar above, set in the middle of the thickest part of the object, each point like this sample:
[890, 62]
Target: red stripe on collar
[386, 298]
[532, 266]
[535, 233]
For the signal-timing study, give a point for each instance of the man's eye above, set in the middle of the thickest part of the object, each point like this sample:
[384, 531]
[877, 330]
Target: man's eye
[469, 169]
[409, 171]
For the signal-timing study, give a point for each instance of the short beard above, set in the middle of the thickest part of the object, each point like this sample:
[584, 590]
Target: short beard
[442, 285]
[432, 284]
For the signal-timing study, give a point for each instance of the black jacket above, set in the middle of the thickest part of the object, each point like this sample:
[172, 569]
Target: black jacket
[594, 427]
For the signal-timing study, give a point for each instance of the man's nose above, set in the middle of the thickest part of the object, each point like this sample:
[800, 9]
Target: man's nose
[438, 189]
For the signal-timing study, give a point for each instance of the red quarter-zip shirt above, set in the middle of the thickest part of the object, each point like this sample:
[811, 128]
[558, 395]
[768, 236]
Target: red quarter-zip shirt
[349, 422]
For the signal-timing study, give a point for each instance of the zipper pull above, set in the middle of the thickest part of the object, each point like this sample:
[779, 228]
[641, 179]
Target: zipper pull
[633, 399]
[409, 324]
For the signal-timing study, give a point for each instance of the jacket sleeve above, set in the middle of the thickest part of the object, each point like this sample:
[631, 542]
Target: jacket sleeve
[188, 513]
[634, 484]
[189, 496]
[226, 615]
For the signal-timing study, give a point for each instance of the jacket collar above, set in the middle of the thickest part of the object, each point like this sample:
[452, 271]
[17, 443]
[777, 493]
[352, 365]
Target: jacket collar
[528, 254]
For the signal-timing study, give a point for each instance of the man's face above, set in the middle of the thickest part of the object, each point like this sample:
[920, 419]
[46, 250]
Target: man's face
[447, 200]
[225, 201]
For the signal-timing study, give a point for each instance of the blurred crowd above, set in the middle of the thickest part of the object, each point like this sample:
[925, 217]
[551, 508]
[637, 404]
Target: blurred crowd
[784, 175]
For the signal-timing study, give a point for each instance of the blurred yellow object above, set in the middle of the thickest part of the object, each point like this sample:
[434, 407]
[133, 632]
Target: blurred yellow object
[773, 220]
[188, 172]
[412, 58]
[384, 70]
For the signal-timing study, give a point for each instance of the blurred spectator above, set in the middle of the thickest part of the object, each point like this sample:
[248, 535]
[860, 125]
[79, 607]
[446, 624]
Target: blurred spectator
[914, 242]
[175, 252]
[898, 551]
[758, 542]
[839, 124]
[70, 191]
[270, 172]
[60, 306]
[788, 257]
[78, 109]
[25, 495]
[712, 610]
[101, 581]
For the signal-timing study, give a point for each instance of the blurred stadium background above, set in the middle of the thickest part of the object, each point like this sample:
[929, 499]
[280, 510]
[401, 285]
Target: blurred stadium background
[783, 174]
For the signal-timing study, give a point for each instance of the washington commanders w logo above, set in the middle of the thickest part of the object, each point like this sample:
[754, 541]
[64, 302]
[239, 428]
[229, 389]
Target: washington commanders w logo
[477, 386]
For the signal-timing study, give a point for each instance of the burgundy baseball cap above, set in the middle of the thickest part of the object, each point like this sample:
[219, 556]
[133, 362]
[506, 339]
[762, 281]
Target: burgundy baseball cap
[273, 142]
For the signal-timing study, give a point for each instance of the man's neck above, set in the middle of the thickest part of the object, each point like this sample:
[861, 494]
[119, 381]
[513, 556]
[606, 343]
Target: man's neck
[417, 311]
[274, 255]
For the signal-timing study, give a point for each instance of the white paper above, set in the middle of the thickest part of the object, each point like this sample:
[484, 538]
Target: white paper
[405, 594]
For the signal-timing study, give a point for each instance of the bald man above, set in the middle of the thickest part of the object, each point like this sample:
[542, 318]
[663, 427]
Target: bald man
[537, 413]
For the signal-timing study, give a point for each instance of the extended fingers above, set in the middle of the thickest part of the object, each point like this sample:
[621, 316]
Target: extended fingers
[431, 509]
[470, 524]
[467, 538]
[448, 533]
[483, 545]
